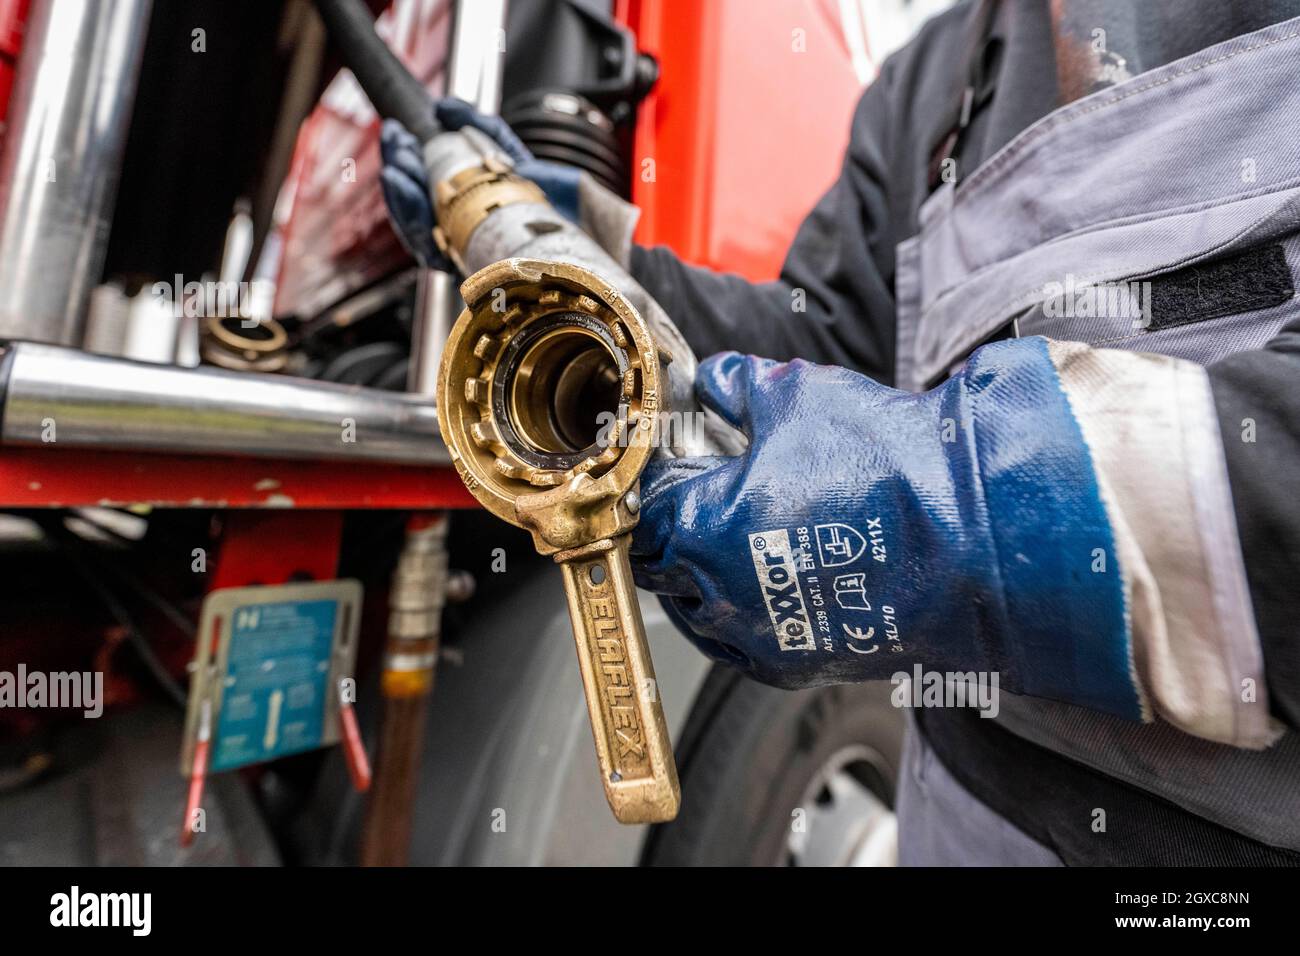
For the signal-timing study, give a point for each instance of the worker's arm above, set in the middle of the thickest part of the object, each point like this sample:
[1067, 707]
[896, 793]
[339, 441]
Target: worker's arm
[834, 300]
[1258, 406]
[840, 271]
[1054, 514]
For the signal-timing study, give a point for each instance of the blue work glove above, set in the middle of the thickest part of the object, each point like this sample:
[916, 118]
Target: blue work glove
[405, 184]
[404, 180]
[867, 530]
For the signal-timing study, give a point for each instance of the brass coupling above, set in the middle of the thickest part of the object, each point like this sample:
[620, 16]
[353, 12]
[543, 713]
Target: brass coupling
[462, 202]
[548, 391]
[245, 346]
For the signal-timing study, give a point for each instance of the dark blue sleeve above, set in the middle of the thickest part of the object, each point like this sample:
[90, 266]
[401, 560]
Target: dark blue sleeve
[1263, 387]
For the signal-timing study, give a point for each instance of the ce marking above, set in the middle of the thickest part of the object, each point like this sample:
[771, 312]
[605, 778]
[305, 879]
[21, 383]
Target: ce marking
[857, 634]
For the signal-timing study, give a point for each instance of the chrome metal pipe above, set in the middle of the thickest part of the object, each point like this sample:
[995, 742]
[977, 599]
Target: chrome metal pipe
[437, 303]
[473, 74]
[477, 53]
[62, 154]
[62, 397]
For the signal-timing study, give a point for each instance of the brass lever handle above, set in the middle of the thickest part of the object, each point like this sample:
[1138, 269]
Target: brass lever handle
[548, 394]
[627, 719]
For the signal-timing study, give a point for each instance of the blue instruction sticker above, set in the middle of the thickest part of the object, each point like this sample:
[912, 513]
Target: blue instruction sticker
[275, 686]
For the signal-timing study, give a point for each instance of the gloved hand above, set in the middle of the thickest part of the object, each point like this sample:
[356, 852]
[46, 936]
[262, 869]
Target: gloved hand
[866, 530]
[405, 182]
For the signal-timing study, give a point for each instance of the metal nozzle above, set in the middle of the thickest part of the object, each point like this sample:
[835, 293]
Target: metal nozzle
[543, 359]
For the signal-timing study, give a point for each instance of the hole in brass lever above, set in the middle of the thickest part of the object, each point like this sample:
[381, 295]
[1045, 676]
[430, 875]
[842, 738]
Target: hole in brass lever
[539, 404]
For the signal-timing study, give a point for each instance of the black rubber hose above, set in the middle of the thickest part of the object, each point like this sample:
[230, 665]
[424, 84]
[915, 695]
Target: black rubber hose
[395, 93]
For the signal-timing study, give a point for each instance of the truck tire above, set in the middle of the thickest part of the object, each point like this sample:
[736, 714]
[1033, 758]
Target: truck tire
[787, 778]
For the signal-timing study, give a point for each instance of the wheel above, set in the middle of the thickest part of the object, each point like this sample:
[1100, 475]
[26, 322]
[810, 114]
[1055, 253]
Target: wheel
[785, 778]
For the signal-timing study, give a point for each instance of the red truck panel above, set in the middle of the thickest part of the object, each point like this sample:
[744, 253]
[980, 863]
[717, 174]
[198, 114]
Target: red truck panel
[746, 127]
[13, 18]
